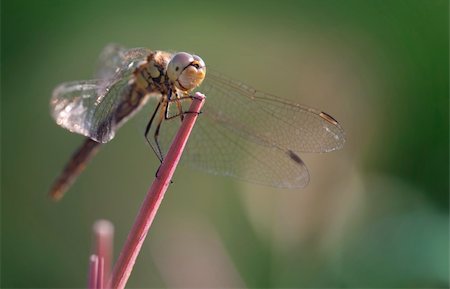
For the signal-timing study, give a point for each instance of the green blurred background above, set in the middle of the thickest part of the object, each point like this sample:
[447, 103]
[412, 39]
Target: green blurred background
[374, 215]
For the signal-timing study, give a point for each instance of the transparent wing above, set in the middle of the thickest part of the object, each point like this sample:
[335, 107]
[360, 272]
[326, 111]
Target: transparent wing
[116, 63]
[219, 150]
[75, 106]
[70, 104]
[114, 58]
[88, 107]
[255, 136]
[268, 119]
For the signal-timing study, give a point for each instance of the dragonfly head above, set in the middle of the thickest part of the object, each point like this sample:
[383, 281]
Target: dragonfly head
[186, 71]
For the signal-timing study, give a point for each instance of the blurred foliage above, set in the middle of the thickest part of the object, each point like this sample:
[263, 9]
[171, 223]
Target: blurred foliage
[375, 213]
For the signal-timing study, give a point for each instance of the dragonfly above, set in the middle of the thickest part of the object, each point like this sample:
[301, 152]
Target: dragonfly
[243, 132]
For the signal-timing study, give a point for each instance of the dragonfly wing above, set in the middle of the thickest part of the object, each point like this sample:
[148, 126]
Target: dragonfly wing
[115, 58]
[220, 150]
[255, 136]
[102, 119]
[88, 107]
[117, 63]
[71, 103]
[268, 119]
[109, 61]
[78, 107]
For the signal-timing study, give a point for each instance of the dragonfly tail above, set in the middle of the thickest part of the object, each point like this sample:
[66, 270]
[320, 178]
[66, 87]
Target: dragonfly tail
[74, 168]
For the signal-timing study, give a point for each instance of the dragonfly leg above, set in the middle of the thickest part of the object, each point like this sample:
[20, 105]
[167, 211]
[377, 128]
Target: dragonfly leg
[157, 172]
[180, 113]
[156, 135]
[166, 116]
[147, 130]
[180, 110]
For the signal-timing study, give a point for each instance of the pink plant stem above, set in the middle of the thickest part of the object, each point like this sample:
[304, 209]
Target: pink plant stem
[103, 242]
[100, 273]
[130, 251]
[93, 272]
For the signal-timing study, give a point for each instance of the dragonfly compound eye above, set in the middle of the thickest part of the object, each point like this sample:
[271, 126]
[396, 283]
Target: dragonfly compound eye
[186, 71]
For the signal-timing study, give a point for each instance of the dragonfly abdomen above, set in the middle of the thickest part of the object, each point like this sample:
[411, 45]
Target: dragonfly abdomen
[73, 168]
